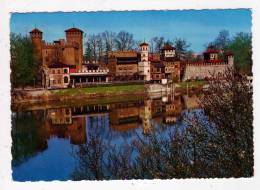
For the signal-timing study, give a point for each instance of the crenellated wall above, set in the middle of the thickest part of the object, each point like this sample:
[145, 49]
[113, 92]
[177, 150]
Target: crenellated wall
[204, 70]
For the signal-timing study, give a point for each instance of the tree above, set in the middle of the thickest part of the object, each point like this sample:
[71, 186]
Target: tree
[181, 46]
[124, 41]
[23, 61]
[109, 40]
[88, 52]
[222, 41]
[158, 43]
[241, 47]
[94, 47]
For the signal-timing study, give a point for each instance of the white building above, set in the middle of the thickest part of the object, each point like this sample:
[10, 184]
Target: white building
[144, 65]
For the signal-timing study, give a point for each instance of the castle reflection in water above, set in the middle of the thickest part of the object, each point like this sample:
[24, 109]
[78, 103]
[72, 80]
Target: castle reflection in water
[71, 122]
[31, 130]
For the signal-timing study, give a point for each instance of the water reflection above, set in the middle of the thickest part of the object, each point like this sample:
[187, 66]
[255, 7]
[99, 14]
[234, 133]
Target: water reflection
[43, 139]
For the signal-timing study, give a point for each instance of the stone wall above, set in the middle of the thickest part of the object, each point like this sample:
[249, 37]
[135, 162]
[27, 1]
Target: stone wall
[202, 71]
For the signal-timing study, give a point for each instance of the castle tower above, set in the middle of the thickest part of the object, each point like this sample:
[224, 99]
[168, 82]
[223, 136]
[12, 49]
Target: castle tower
[230, 59]
[75, 35]
[167, 52]
[144, 64]
[211, 53]
[144, 51]
[36, 37]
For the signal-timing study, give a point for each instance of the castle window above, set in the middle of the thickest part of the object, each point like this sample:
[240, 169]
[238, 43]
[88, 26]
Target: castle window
[65, 70]
[58, 71]
[66, 79]
[53, 71]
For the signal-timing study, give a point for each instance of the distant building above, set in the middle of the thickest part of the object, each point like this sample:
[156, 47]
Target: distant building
[171, 63]
[167, 52]
[123, 64]
[214, 62]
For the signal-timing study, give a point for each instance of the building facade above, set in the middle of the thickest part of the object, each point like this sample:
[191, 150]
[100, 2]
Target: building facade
[57, 75]
[69, 51]
[210, 66]
[122, 64]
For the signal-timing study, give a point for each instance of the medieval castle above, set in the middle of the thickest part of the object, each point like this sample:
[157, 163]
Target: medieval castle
[63, 65]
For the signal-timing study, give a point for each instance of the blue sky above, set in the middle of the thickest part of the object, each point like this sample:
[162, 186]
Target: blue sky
[198, 27]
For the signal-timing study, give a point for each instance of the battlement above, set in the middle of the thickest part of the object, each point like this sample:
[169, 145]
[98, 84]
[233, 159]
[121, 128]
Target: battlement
[200, 64]
[61, 44]
[90, 72]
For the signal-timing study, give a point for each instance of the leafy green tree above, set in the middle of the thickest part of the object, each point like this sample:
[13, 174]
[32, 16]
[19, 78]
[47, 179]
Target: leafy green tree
[241, 46]
[23, 61]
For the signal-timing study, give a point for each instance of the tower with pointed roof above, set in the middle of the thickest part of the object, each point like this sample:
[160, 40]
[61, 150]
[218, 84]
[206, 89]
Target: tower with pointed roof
[75, 36]
[144, 64]
[36, 37]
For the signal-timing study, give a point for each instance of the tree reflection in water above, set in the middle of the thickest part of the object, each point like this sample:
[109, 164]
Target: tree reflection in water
[219, 145]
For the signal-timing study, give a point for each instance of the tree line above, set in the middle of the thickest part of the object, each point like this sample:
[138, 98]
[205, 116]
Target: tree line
[99, 45]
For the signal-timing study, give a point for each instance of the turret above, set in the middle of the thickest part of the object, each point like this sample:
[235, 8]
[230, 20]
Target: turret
[36, 37]
[144, 64]
[75, 35]
[211, 53]
[167, 52]
[144, 51]
[230, 59]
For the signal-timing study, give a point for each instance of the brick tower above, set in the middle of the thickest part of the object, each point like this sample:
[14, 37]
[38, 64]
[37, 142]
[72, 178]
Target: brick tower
[75, 35]
[36, 37]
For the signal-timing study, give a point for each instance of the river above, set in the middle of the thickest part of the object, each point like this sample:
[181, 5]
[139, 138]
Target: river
[45, 139]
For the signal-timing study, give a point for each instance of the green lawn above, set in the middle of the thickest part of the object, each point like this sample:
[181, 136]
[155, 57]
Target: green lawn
[102, 89]
[194, 84]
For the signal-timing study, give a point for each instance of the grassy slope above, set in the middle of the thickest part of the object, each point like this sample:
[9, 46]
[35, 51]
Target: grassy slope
[103, 89]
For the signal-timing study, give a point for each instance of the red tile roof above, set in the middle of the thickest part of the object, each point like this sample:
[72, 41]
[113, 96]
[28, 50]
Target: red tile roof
[73, 30]
[168, 47]
[228, 53]
[36, 30]
[211, 49]
[144, 44]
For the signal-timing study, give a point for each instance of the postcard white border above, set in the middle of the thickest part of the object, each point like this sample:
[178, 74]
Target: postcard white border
[8, 6]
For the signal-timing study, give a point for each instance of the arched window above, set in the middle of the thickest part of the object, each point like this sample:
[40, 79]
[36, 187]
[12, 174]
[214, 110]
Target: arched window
[66, 79]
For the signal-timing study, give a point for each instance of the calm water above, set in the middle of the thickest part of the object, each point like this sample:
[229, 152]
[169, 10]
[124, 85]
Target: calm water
[44, 140]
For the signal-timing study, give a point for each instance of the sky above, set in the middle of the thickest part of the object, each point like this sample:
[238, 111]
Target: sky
[197, 27]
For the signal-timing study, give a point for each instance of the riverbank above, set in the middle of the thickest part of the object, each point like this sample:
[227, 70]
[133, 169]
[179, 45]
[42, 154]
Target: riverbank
[103, 94]
[98, 94]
